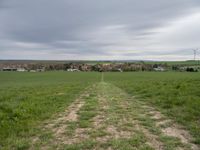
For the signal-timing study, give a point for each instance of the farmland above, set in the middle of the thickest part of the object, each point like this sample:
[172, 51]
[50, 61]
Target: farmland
[175, 94]
[28, 98]
[77, 110]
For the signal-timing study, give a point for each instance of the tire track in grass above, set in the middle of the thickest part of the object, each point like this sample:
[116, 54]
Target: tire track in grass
[102, 124]
[171, 137]
[84, 123]
[57, 127]
[106, 117]
[169, 128]
[111, 126]
[122, 121]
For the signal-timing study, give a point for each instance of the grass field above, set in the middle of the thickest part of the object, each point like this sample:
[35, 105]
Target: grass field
[63, 110]
[28, 98]
[175, 94]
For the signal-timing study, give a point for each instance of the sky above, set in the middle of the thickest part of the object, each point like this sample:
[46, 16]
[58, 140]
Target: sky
[99, 29]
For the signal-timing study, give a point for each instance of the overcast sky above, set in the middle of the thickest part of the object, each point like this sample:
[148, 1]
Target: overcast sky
[99, 29]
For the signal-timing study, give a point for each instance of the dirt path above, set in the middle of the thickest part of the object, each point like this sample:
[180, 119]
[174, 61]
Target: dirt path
[106, 117]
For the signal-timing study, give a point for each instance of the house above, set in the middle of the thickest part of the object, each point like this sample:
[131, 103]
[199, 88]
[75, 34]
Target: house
[21, 69]
[159, 69]
[9, 69]
[32, 71]
[120, 70]
[73, 70]
[40, 70]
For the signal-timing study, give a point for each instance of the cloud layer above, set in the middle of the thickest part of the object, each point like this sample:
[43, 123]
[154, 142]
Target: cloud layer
[106, 29]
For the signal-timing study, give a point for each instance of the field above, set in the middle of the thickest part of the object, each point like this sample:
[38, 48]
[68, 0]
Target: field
[63, 110]
[186, 63]
[174, 94]
[28, 98]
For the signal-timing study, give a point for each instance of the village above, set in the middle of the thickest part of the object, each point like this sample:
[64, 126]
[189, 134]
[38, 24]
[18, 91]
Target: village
[99, 67]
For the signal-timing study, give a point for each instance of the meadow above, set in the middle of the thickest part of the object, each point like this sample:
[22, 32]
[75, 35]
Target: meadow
[27, 100]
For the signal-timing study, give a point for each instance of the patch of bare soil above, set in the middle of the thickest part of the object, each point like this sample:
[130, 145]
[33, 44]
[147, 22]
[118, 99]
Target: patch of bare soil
[163, 122]
[59, 131]
[114, 132]
[98, 120]
[156, 115]
[60, 93]
[171, 129]
[182, 134]
[152, 139]
[81, 134]
[58, 125]
[72, 116]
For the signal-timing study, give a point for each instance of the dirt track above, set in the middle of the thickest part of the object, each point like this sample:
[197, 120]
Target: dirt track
[106, 117]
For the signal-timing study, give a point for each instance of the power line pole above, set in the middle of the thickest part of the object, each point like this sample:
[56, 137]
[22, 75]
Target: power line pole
[195, 56]
[195, 53]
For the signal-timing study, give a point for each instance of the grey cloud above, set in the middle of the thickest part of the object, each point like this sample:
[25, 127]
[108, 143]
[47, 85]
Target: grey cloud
[181, 52]
[82, 27]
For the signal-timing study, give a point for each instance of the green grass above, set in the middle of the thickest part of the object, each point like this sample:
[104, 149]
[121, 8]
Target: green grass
[26, 99]
[93, 107]
[88, 111]
[175, 94]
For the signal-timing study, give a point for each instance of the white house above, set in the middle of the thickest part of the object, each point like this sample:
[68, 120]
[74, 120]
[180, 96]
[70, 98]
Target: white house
[159, 69]
[73, 70]
[21, 69]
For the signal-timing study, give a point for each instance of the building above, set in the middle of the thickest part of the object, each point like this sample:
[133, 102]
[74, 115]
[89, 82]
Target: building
[120, 70]
[40, 70]
[21, 69]
[32, 70]
[9, 69]
[73, 70]
[159, 69]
